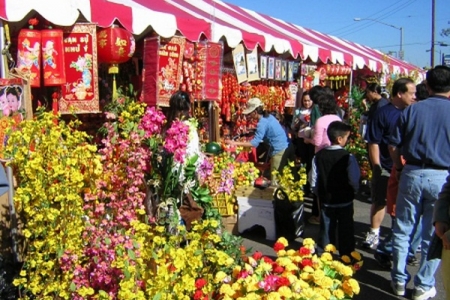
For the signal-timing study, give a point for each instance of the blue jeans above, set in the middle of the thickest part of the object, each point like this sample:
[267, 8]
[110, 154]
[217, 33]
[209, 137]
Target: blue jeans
[385, 246]
[338, 219]
[417, 192]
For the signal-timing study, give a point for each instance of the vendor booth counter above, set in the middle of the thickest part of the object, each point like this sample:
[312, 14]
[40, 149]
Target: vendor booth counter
[256, 208]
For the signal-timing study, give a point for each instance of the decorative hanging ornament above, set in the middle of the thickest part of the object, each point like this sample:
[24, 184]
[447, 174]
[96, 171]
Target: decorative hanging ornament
[53, 57]
[29, 53]
[115, 45]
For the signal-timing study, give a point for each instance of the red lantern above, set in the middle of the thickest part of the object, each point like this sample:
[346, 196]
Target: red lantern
[115, 45]
[53, 57]
[332, 70]
[349, 70]
[29, 55]
[329, 69]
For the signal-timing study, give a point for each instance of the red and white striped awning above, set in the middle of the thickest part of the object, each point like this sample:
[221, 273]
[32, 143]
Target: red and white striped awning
[212, 19]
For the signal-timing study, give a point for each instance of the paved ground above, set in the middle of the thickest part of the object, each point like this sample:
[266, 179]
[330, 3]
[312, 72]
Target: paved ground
[374, 281]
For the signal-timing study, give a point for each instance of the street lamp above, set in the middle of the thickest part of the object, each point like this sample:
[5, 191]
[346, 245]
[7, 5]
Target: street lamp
[400, 53]
[441, 57]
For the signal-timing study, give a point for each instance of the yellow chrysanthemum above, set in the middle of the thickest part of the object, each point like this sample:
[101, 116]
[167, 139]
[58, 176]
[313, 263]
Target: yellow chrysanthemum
[356, 255]
[330, 248]
[283, 241]
[346, 259]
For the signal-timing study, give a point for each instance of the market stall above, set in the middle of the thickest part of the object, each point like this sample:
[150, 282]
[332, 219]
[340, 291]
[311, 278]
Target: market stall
[79, 59]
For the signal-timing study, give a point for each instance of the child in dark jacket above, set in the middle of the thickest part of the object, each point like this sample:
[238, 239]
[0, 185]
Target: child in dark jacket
[335, 180]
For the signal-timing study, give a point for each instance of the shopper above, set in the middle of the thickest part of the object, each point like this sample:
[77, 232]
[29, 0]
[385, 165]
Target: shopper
[378, 134]
[328, 109]
[441, 221]
[268, 129]
[376, 101]
[427, 156]
[335, 180]
[301, 122]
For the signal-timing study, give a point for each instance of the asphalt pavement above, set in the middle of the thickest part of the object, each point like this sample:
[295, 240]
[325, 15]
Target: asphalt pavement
[374, 281]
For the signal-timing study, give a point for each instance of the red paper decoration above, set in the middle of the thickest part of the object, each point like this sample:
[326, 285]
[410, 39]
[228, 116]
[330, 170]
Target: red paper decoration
[29, 55]
[53, 57]
[115, 46]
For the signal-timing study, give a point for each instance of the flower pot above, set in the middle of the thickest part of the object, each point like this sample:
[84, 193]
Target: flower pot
[289, 217]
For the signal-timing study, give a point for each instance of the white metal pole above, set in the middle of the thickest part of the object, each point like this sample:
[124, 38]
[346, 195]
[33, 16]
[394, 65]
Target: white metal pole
[3, 65]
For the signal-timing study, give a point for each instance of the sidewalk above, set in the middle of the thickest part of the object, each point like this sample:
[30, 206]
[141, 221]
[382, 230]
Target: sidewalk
[374, 281]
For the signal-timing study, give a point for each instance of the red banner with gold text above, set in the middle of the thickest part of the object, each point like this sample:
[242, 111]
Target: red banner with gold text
[80, 93]
[167, 69]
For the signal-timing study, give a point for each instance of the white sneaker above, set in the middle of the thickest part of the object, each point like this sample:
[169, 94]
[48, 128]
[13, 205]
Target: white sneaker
[398, 288]
[421, 294]
[371, 240]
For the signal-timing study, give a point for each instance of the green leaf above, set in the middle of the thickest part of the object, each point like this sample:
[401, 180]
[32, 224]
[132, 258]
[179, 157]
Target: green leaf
[136, 245]
[72, 287]
[127, 273]
[157, 296]
[198, 252]
[119, 251]
[103, 294]
[107, 241]
[60, 252]
[131, 254]
[206, 199]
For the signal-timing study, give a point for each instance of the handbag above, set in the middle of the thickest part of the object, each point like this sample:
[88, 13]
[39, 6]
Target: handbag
[435, 247]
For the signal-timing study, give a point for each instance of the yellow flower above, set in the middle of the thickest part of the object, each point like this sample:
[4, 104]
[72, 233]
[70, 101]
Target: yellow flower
[285, 292]
[326, 256]
[330, 248]
[273, 296]
[220, 277]
[226, 289]
[346, 259]
[26, 233]
[308, 242]
[355, 285]
[283, 241]
[339, 293]
[356, 255]
[325, 282]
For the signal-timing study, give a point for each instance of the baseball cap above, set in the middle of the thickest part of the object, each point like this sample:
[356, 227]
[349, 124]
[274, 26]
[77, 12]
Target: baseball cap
[252, 104]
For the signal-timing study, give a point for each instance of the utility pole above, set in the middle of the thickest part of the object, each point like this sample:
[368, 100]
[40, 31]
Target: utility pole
[433, 12]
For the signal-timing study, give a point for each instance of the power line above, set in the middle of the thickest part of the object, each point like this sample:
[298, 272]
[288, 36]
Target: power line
[394, 10]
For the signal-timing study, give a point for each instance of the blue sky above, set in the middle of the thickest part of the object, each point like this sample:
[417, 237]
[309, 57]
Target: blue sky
[336, 17]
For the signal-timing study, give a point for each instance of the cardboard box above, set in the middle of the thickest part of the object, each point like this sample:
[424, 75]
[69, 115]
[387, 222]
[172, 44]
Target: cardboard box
[231, 224]
[255, 193]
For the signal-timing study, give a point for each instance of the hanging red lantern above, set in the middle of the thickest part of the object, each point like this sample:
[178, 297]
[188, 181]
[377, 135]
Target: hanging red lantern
[114, 46]
[29, 54]
[329, 69]
[53, 57]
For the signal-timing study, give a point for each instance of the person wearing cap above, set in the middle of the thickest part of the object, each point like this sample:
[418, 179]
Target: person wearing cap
[269, 130]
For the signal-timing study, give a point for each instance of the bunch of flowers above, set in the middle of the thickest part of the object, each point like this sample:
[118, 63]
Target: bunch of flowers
[291, 181]
[356, 144]
[294, 274]
[54, 166]
[91, 235]
[245, 173]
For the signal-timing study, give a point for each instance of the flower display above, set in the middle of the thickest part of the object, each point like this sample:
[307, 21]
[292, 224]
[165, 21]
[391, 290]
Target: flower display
[108, 223]
[294, 274]
[291, 182]
[356, 144]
